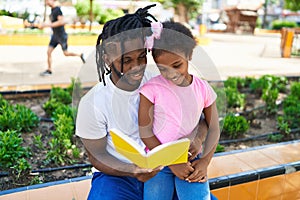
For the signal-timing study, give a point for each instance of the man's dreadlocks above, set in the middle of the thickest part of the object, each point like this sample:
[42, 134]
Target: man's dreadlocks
[139, 19]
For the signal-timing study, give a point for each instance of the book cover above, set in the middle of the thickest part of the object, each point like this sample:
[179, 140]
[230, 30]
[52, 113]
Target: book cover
[174, 152]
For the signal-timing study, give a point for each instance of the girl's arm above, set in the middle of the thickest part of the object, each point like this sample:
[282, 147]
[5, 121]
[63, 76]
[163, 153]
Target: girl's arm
[145, 117]
[213, 135]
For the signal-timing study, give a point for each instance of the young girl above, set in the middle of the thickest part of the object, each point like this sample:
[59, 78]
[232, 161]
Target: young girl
[170, 107]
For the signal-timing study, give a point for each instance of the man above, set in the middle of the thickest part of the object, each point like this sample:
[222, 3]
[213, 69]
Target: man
[59, 35]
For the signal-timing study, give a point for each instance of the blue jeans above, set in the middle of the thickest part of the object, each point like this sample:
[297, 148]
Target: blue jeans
[106, 187]
[165, 184]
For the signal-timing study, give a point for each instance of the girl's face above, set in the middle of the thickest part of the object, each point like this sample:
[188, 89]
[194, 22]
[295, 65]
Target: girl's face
[134, 64]
[174, 67]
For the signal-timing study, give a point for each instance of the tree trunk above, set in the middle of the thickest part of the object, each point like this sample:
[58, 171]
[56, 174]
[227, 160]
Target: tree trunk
[264, 22]
[91, 15]
[182, 12]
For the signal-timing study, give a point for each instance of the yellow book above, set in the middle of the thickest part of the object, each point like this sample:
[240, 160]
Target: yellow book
[174, 152]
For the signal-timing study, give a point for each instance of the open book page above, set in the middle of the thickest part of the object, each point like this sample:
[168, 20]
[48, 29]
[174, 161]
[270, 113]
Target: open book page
[163, 155]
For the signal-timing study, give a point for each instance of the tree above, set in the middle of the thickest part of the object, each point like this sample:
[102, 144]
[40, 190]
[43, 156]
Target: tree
[293, 5]
[185, 9]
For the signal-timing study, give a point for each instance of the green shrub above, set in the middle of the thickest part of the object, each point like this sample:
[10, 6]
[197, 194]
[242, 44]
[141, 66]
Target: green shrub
[283, 126]
[291, 115]
[269, 81]
[295, 89]
[290, 100]
[275, 138]
[109, 14]
[291, 108]
[234, 98]
[234, 82]
[61, 95]
[279, 24]
[235, 126]
[220, 148]
[11, 150]
[17, 117]
[64, 109]
[270, 96]
[61, 143]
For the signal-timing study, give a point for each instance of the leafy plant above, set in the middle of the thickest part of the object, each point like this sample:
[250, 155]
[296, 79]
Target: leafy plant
[220, 148]
[291, 107]
[17, 117]
[283, 126]
[275, 138]
[295, 89]
[61, 95]
[37, 141]
[235, 126]
[292, 115]
[269, 81]
[234, 98]
[26, 118]
[61, 143]
[64, 109]
[235, 82]
[279, 24]
[270, 96]
[11, 150]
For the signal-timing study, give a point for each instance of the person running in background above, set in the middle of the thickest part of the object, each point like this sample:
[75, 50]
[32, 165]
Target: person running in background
[59, 35]
[170, 107]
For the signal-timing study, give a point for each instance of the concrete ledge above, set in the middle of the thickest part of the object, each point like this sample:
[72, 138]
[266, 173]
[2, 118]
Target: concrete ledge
[42, 40]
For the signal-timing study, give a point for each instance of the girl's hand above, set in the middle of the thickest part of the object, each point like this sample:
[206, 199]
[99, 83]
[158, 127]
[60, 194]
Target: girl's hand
[182, 171]
[200, 171]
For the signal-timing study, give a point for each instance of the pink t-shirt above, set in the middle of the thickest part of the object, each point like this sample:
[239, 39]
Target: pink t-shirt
[177, 110]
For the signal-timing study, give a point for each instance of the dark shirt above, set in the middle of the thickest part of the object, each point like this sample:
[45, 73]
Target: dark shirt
[55, 12]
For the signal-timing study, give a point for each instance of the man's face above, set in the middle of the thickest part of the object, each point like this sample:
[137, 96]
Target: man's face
[134, 64]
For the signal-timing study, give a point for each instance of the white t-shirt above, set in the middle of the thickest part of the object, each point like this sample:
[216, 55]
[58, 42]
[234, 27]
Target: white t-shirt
[107, 107]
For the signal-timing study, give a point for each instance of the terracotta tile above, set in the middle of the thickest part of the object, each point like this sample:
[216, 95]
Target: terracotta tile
[81, 189]
[292, 182]
[215, 169]
[291, 195]
[283, 154]
[229, 164]
[271, 188]
[57, 192]
[247, 191]
[221, 194]
[16, 196]
[255, 159]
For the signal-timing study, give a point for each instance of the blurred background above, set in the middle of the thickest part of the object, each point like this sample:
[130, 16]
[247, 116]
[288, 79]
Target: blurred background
[236, 16]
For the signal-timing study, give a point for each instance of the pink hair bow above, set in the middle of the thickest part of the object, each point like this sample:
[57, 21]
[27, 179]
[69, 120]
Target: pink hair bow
[156, 28]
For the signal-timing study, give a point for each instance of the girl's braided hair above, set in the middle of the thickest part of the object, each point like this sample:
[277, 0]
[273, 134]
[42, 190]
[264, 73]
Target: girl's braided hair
[139, 19]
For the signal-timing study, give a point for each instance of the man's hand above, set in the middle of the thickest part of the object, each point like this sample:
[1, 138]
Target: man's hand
[144, 175]
[182, 171]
